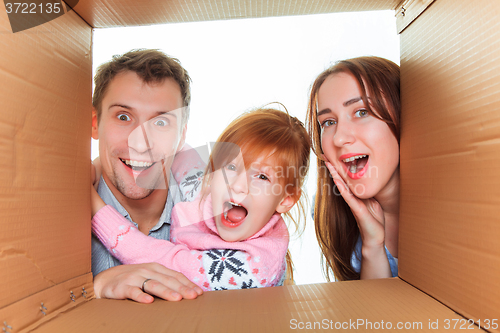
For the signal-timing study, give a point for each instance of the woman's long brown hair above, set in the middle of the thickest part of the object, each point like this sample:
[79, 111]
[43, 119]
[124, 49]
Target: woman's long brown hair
[336, 227]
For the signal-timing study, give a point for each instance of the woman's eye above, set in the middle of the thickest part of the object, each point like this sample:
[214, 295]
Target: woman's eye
[124, 117]
[328, 122]
[361, 113]
[160, 122]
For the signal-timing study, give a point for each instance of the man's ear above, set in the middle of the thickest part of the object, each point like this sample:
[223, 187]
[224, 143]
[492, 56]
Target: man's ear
[182, 138]
[286, 204]
[95, 134]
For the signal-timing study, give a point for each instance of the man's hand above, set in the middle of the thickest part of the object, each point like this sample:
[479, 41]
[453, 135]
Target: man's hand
[126, 281]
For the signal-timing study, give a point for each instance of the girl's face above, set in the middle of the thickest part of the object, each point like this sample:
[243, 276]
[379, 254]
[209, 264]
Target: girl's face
[244, 200]
[361, 147]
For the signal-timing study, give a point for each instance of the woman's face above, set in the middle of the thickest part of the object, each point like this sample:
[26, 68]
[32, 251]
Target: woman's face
[361, 147]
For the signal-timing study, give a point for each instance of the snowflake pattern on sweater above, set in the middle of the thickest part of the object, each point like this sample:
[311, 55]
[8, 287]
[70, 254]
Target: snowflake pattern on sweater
[228, 268]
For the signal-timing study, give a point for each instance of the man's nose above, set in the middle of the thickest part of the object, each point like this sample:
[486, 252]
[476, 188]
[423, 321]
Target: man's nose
[139, 140]
[344, 134]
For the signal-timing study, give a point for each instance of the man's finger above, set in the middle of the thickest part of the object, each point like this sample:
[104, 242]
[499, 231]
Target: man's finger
[171, 290]
[176, 277]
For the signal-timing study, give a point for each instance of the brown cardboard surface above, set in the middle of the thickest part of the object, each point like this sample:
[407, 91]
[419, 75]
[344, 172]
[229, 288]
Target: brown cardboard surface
[450, 152]
[117, 13]
[450, 155]
[266, 310]
[408, 11]
[45, 88]
[43, 306]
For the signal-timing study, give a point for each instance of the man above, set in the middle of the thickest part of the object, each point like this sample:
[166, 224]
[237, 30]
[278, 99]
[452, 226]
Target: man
[140, 112]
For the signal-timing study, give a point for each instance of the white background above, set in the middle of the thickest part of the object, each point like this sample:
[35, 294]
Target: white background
[237, 65]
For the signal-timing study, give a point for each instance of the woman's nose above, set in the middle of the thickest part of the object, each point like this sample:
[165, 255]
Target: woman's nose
[344, 134]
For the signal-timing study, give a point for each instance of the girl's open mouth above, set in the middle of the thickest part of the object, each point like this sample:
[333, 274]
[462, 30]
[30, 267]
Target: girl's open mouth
[356, 166]
[234, 214]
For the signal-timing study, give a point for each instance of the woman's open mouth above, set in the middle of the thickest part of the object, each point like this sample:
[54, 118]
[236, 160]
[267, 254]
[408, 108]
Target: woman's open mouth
[356, 166]
[234, 214]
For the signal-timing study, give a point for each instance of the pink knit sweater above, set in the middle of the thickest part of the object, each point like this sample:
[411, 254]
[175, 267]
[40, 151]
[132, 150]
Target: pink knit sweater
[197, 250]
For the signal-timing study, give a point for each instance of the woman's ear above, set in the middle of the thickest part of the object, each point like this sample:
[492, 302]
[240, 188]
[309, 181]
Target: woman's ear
[286, 204]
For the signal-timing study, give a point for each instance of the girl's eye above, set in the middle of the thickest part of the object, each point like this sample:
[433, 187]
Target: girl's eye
[328, 122]
[361, 113]
[262, 177]
[123, 117]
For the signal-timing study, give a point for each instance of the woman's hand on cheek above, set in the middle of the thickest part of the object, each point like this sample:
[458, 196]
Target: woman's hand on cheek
[368, 212]
[370, 218]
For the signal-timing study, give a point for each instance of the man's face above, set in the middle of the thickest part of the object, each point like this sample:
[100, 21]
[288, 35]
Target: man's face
[139, 132]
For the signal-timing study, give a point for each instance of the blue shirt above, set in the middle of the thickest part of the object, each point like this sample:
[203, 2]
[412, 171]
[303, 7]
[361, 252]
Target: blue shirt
[101, 258]
[356, 255]
[356, 259]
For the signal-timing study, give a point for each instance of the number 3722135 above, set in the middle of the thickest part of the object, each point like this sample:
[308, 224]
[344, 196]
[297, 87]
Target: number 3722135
[33, 8]
[469, 324]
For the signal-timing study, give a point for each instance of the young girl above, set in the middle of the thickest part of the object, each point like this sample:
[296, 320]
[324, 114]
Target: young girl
[353, 120]
[232, 236]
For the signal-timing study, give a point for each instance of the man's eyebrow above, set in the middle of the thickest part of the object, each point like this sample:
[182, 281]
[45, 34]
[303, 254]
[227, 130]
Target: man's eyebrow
[121, 106]
[160, 113]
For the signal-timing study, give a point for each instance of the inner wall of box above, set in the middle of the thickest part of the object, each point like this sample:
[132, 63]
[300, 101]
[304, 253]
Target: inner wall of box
[45, 78]
[450, 155]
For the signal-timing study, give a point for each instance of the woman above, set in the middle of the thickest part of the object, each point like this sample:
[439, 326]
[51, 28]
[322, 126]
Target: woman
[353, 119]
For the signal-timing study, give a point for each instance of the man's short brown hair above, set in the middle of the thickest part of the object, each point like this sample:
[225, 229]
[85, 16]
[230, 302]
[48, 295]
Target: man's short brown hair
[152, 66]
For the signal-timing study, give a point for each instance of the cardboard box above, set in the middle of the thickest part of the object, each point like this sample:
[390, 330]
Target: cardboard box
[449, 254]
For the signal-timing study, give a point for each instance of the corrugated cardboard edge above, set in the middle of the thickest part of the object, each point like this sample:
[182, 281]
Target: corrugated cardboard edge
[26, 314]
[277, 309]
[408, 11]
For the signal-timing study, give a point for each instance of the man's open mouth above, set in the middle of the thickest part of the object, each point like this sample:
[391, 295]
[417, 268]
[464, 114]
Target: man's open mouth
[234, 214]
[356, 163]
[137, 165]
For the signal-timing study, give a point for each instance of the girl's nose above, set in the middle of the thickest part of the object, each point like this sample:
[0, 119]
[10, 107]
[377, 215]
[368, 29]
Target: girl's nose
[240, 183]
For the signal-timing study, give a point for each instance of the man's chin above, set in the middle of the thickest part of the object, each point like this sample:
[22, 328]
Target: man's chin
[136, 193]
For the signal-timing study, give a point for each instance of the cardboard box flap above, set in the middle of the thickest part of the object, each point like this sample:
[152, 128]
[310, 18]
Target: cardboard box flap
[361, 305]
[450, 154]
[45, 74]
[30, 312]
[115, 13]
[408, 11]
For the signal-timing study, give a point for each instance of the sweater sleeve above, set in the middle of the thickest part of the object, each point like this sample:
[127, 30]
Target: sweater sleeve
[187, 169]
[225, 266]
[126, 243]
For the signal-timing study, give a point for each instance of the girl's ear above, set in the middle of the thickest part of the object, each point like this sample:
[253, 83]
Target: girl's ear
[286, 204]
